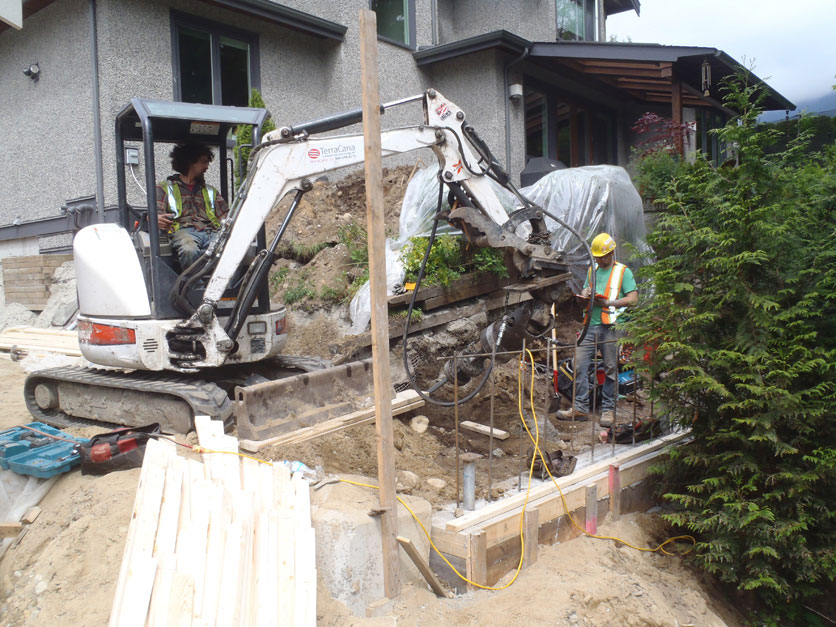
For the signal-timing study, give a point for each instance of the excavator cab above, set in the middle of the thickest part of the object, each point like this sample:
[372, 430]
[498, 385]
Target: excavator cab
[158, 125]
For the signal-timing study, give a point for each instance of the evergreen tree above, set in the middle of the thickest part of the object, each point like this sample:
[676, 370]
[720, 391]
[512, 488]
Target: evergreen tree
[244, 138]
[741, 328]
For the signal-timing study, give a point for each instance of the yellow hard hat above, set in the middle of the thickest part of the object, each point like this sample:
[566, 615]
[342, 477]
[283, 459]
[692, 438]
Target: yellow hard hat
[603, 244]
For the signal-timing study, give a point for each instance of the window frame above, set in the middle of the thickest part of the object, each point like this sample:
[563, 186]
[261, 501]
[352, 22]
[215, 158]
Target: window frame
[411, 44]
[216, 31]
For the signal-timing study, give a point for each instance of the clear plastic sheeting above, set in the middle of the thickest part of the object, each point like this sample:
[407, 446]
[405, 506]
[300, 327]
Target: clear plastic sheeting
[592, 200]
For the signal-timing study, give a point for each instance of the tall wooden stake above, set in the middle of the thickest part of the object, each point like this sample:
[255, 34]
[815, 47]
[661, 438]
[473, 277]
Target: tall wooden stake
[380, 308]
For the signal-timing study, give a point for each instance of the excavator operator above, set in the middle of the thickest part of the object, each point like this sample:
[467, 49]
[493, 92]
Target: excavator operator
[187, 207]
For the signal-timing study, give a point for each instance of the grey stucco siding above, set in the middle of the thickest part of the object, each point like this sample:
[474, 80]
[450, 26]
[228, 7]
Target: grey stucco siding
[46, 126]
[531, 19]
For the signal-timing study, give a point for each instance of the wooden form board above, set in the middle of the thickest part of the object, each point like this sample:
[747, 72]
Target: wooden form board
[403, 402]
[476, 427]
[225, 541]
[500, 521]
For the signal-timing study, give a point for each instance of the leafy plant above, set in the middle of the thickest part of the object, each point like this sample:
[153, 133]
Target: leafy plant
[244, 138]
[331, 294]
[741, 328]
[302, 253]
[356, 240]
[400, 314]
[278, 278]
[301, 290]
[449, 259]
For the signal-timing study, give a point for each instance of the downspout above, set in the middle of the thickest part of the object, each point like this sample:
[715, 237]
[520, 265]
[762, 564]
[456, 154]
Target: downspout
[508, 108]
[434, 9]
[97, 125]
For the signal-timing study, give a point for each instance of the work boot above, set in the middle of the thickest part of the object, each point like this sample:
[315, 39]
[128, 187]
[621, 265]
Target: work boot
[606, 419]
[571, 415]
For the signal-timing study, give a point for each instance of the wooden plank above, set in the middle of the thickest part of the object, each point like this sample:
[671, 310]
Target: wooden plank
[499, 434]
[31, 515]
[181, 601]
[477, 558]
[379, 309]
[229, 602]
[423, 567]
[10, 529]
[403, 402]
[516, 501]
[449, 542]
[531, 533]
[614, 485]
[287, 571]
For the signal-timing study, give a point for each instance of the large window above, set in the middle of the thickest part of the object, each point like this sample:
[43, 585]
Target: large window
[396, 21]
[576, 20]
[213, 64]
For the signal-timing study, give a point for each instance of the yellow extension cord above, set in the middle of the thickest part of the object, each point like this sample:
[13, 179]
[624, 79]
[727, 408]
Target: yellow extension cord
[536, 440]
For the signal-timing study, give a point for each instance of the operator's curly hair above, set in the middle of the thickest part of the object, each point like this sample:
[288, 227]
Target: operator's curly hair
[184, 155]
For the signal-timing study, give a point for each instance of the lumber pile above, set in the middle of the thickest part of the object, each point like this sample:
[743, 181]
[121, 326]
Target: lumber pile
[17, 342]
[224, 542]
[26, 280]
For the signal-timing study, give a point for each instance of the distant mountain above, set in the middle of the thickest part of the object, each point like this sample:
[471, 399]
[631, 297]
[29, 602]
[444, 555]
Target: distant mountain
[823, 105]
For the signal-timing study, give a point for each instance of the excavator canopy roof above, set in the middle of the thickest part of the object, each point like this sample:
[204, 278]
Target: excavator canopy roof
[176, 122]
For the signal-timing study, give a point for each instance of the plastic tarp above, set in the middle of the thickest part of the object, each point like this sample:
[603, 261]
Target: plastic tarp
[591, 199]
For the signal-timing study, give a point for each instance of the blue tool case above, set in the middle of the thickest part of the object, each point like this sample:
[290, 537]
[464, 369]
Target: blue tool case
[27, 452]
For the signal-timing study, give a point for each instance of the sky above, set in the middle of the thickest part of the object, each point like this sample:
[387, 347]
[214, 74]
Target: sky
[792, 44]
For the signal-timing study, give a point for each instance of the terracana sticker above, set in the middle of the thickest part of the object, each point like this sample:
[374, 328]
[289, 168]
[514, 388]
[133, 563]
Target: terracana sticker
[333, 154]
[443, 111]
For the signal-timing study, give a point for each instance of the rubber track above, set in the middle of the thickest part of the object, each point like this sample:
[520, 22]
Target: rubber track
[203, 397]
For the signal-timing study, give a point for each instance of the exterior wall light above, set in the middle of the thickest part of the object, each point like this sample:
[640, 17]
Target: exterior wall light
[515, 92]
[33, 71]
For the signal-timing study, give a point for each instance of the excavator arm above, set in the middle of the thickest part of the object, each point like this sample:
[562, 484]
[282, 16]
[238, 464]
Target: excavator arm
[289, 160]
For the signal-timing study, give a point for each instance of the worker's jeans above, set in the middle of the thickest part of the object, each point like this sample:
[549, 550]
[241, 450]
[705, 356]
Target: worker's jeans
[604, 336]
[189, 244]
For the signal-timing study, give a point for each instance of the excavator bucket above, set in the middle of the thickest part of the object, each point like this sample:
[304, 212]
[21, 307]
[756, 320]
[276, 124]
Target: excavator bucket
[272, 408]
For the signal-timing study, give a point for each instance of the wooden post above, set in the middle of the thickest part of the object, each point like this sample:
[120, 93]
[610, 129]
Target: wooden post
[477, 557]
[615, 491]
[380, 308]
[592, 509]
[676, 111]
[531, 525]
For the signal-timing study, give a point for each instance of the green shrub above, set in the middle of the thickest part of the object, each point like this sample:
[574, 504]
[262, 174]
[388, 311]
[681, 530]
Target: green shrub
[742, 327]
[449, 259]
[244, 138]
[301, 290]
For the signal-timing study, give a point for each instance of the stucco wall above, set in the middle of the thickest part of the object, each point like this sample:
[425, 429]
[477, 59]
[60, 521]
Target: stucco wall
[46, 126]
[532, 19]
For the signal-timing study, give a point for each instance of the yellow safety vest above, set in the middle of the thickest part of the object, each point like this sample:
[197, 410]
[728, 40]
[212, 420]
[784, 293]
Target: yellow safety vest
[175, 202]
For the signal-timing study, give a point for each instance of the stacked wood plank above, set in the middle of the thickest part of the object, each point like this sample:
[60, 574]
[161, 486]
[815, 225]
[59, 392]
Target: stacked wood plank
[26, 280]
[224, 542]
[16, 342]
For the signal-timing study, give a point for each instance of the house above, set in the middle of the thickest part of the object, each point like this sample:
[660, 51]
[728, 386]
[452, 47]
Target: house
[537, 78]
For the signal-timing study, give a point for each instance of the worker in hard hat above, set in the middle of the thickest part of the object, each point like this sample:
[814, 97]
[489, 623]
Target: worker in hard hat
[615, 290]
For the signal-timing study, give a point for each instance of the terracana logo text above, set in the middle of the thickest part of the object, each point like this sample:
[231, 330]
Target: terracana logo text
[335, 152]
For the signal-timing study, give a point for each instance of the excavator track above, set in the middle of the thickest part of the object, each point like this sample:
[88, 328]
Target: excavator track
[67, 396]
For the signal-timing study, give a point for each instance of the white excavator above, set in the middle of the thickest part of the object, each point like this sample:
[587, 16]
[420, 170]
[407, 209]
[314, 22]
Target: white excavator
[178, 342]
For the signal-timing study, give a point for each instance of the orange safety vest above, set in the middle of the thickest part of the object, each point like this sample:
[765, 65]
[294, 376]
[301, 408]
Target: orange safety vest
[610, 314]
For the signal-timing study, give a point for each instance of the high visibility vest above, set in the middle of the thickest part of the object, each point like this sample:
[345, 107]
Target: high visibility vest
[610, 314]
[175, 202]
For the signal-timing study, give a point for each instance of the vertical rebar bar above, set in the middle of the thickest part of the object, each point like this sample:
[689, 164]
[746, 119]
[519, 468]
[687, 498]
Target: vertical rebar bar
[456, 420]
[490, 437]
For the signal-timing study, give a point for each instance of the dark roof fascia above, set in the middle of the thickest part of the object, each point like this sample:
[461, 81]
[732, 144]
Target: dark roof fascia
[617, 51]
[613, 7]
[499, 39]
[286, 16]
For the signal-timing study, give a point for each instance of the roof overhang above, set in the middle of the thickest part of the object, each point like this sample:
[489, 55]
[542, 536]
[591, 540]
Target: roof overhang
[263, 9]
[611, 7]
[643, 72]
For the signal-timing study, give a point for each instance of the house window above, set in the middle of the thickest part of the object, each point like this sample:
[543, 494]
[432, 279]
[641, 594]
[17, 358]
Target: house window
[395, 21]
[212, 63]
[575, 20]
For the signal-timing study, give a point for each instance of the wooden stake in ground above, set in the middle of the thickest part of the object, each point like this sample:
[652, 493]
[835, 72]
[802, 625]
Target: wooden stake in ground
[380, 308]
